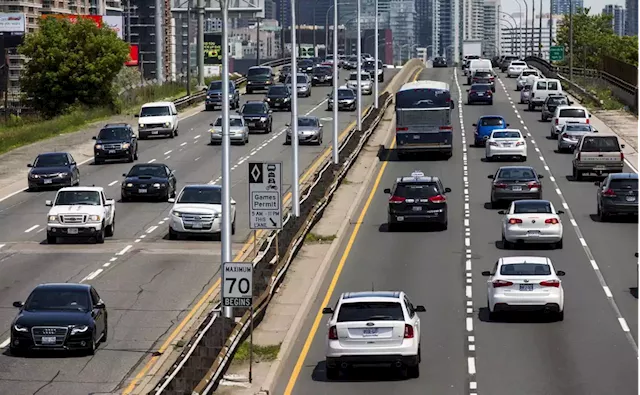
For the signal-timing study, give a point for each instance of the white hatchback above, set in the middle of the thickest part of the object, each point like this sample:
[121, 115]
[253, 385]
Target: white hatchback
[198, 211]
[516, 67]
[506, 143]
[524, 283]
[531, 221]
[375, 327]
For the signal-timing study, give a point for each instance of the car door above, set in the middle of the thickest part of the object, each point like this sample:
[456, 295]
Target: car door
[171, 177]
[97, 314]
[134, 140]
[108, 210]
[493, 272]
[74, 168]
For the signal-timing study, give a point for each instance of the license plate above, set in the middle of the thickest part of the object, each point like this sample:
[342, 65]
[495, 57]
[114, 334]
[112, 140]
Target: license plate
[251, 124]
[516, 188]
[417, 208]
[533, 233]
[142, 191]
[196, 225]
[526, 287]
[370, 332]
[48, 181]
[154, 132]
[631, 198]
[72, 231]
[480, 94]
[48, 340]
[416, 137]
[506, 144]
[599, 168]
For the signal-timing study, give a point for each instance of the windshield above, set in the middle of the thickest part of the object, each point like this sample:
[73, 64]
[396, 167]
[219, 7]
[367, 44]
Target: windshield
[423, 98]
[85, 198]
[322, 70]
[278, 90]
[345, 94]
[253, 108]
[363, 77]
[624, 183]
[525, 269]
[557, 101]
[527, 88]
[143, 170]
[302, 79]
[217, 86]
[201, 195]
[233, 122]
[114, 134]
[518, 64]
[506, 135]
[51, 161]
[491, 122]
[572, 113]
[155, 111]
[416, 191]
[532, 207]
[285, 69]
[577, 128]
[51, 299]
[480, 87]
[259, 71]
[309, 122]
[370, 311]
[600, 144]
[352, 59]
[524, 174]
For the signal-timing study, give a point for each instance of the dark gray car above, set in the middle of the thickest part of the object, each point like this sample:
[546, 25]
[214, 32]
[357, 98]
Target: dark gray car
[617, 194]
[309, 131]
[515, 183]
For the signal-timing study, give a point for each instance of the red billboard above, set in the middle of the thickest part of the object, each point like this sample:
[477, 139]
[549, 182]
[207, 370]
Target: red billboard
[97, 19]
[134, 54]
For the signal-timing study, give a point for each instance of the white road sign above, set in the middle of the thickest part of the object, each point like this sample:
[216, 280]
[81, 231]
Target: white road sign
[237, 284]
[265, 195]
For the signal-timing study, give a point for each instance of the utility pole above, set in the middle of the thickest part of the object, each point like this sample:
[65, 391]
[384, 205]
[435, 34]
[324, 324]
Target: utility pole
[336, 143]
[189, 47]
[258, 32]
[533, 26]
[571, 40]
[200, 41]
[295, 187]
[159, 41]
[540, 33]
[550, 27]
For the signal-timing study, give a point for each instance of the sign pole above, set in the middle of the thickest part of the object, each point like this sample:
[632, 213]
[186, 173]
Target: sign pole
[255, 244]
[277, 248]
[251, 346]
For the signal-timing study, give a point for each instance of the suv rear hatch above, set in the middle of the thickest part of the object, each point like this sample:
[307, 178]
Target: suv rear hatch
[416, 198]
[370, 324]
[625, 190]
[575, 115]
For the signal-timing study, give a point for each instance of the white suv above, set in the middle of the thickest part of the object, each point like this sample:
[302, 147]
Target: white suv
[158, 119]
[373, 328]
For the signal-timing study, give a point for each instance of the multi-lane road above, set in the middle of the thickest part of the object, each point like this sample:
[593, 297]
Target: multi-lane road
[593, 351]
[148, 282]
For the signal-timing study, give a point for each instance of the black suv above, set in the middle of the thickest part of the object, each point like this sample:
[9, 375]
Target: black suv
[322, 75]
[257, 115]
[259, 77]
[279, 96]
[439, 62]
[115, 141]
[284, 73]
[417, 198]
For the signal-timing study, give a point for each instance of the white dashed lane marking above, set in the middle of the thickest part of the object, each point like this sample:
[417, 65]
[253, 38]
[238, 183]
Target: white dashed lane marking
[151, 161]
[31, 229]
[112, 183]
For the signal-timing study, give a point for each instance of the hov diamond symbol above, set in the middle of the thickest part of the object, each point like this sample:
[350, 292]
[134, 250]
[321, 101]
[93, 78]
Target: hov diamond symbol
[255, 173]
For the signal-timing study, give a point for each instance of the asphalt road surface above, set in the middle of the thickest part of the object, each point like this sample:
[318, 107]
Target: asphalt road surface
[591, 352]
[147, 281]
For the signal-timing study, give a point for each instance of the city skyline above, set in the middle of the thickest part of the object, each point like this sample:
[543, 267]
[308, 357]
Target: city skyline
[511, 6]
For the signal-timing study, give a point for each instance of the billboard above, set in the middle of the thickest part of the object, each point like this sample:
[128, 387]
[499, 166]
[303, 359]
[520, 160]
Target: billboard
[134, 56]
[212, 48]
[12, 23]
[115, 22]
[97, 19]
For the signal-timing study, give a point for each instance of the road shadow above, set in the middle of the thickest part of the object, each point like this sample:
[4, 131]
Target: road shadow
[616, 219]
[531, 317]
[392, 155]
[634, 292]
[356, 374]
[501, 160]
[72, 241]
[411, 228]
[585, 178]
[497, 206]
[525, 246]
[46, 354]
[195, 237]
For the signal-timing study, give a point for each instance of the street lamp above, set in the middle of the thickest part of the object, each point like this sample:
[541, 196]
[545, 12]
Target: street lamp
[376, 85]
[335, 22]
[504, 14]
[526, 25]
[512, 32]
[336, 156]
[295, 187]
[359, 68]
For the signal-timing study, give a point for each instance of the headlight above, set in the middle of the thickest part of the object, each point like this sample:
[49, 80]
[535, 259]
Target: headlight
[79, 329]
[141, 125]
[98, 146]
[34, 175]
[52, 218]
[158, 185]
[176, 213]
[129, 185]
[62, 174]
[287, 98]
[126, 145]
[167, 124]
[208, 97]
[263, 119]
[20, 328]
[94, 218]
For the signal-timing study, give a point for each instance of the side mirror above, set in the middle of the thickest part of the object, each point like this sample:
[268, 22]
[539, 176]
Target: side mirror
[467, 90]
[233, 202]
[171, 200]
[29, 165]
[560, 212]
[124, 174]
[270, 111]
[590, 115]
[622, 145]
[475, 124]
[502, 212]
[320, 125]
[100, 305]
[541, 176]
[486, 273]
[387, 190]
[560, 273]
[570, 102]
[447, 190]
[508, 124]
[524, 137]
[287, 125]
[211, 124]
[327, 310]
[48, 203]
[636, 254]
[136, 116]
[18, 304]
[490, 176]
[594, 131]
[420, 309]
[109, 202]
[93, 138]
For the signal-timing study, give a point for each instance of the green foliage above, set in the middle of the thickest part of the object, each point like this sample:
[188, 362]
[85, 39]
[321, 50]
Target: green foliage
[593, 38]
[71, 63]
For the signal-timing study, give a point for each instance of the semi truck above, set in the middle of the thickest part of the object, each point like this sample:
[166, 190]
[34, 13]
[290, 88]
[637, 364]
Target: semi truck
[472, 47]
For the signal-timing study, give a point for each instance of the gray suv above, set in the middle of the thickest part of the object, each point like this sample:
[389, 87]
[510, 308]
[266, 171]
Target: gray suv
[515, 183]
[617, 194]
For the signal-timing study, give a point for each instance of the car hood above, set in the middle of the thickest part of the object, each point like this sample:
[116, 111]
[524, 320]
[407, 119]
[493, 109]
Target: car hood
[195, 208]
[76, 209]
[121, 141]
[255, 115]
[148, 120]
[306, 129]
[49, 170]
[145, 180]
[277, 96]
[300, 85]
[52, 318]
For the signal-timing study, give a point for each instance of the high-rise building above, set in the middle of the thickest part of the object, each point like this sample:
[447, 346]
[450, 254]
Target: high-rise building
[402, 18]
[631, 18]
[473, 19]
[445, 13]
[490, 28]
[618, 14]
[424, 22]
[561, 7]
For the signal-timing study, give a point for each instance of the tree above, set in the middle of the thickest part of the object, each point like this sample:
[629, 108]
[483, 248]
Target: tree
[70, 64]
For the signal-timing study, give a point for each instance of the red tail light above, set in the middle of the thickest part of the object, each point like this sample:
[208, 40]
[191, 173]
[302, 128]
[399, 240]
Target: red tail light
[493, 143]
[437, 199]
[514, 221]
[491, 78]
[446, 128]
[333, 333]
[519, 143]
[401, 129]
[609, 192]
[556, 121]
[533, 184]
[501, 283]
[408, 331]
[621, 156]
[550, 283]
[396, 199]
[500, 186]
[489, 92]
[551, 221]
[588, 121]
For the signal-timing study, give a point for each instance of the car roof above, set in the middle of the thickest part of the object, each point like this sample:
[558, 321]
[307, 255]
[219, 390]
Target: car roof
[158, 104]
[254, 102]
[371, 295]
[619, 176]
[506, 130]
[506, 260]
[110, 125]
[417, 176]
[75, 189]
[155, 164]
[64, 286]
[231, 116]
[53, 154]
[202, 186]
[259, 67]
[570, 106]
[492, 116]
[516, 167]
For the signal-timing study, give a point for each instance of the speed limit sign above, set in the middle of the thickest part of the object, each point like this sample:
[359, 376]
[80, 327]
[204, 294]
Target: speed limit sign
[237, 284]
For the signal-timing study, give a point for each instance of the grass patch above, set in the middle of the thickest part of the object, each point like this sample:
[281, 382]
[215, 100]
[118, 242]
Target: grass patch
[609, 102]
[260, 353]
[319, 239]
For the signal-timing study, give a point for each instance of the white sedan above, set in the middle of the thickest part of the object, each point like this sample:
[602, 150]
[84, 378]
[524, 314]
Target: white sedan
[531, 221]
[516, 67]
[506, 143]
[525, 283]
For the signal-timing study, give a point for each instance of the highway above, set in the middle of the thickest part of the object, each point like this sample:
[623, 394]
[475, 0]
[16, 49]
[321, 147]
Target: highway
[591, 352]
[148, 282]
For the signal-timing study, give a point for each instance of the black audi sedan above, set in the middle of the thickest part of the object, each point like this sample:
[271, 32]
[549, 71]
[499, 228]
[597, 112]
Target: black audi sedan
[279, 96]
[322, 75]
[149, 180]
[480, 93]
[53, 169]
[257, 115]
[62, 316]
[115, 141]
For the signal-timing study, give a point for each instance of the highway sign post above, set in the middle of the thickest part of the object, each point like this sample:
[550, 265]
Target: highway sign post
[556, 53]
[265, 195]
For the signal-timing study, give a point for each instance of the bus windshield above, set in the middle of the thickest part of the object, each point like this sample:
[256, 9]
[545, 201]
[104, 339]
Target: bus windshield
[423, 98]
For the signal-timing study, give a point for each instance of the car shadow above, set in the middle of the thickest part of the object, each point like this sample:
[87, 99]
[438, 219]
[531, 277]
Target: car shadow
[391, 155]
[195, 237]
[72, 241]
[501, 160]
[45, 354]
[524, 246]
[497, 206]
[620, 219]
[517, 317]
[355, 374]
[411, 228]
[589, 178]
[634, 292]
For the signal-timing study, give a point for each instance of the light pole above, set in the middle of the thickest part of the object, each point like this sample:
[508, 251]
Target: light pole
[336, 157]
[550, 27]
[159, 41]
[295, 187]
[335, 23]
[376, 54]
[533, 27]
[570, 40]
[258, 41]
[526, 25]
[201, 40]
[512, 31]
[359, 68]
[540, 33]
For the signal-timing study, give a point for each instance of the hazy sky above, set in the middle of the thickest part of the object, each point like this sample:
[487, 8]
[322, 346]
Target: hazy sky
[511, 6]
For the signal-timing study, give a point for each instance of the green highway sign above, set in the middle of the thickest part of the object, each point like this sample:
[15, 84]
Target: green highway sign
[556, 54]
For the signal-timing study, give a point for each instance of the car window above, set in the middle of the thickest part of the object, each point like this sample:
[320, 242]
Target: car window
[278, 90]
[416, 190]
[195, 195]
[541, 85]
[525, 269]
[370, 311]
[480, 87]
[410, 308]
[491, 122]
[142, 170]
[258, 71]
[506, 135]
[114, 134]
[529, 72]
[527, 87]
[624, 183]
[94, 297]
[523, 174]
[577, 127]
[600, 144]
[51, 160]
[345, 94]
[308, 122]
[56, 299]
[572, 113]
[532, 207]
[557, 101]
[253, 108]
[167, 170]
[553, 85]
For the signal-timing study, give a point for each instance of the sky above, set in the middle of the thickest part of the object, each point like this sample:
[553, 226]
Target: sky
[511, 6]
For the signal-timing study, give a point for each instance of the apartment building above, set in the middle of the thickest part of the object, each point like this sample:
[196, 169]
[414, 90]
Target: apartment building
[490, 28]
[631, 18]
[617, 13]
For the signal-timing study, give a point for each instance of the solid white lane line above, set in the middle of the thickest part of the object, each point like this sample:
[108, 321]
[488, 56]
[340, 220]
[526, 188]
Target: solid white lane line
[607, 292]
[5, 343]
[92, 275]
[124, 250]
[151, 161]
[34, 227]
[112, 183]
[623, 324]
[471, 363]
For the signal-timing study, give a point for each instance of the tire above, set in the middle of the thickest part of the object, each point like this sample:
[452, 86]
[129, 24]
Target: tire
[208, 108]
[233, 226]
[560, 316]
[109, 230]
[16, 352]
[91, 350]
[491, 103]
[97, 161]
[135, 156]
[444, 226]
[173, 235]
[577, 174]
[505, 243]
[332, 373]
[100, 236]
[51, 239]
[103, 339]
[413, 371]
[172, 134]
[523, 159]
[558, 245]
[249, 91]
[529, 107]
[130, 158]
[602, 215]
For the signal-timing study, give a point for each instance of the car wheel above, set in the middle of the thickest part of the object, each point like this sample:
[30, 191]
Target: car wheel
[135, 156]
[173, 235]
[172, 134]
[602, 215]
[560, 316]
[103, 339]
[97, 161]
[506, 244]
[100, 236]
[577, 174]
[530, 107]
[110, 230]
[444, 225]
[492, 314]
[558, 245]
[51, 239]
[491, 102]
[332, 373]
[413, 371]
[91, 350]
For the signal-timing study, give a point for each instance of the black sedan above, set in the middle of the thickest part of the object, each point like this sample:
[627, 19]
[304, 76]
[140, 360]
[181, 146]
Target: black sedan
[322, 75]
[63, 316]
[279, 96]
[439, 62]
[257, 116]
[153, 180]
[53, 169]
[480, 93]
[305, 65]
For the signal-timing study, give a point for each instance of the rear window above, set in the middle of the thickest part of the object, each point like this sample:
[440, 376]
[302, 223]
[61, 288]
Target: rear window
[370, 311]
[553, 86]
[416, 190]
[516, 174]
[518, 64]
[572, 113]
[482, 74]
[600, 144]
[506, 135]
[624, 183]
[541, 85]
[480, 87]
[532, 207]
[525, 269]
[529, 72]
[491, 122]
[579, 127]
[557, 101]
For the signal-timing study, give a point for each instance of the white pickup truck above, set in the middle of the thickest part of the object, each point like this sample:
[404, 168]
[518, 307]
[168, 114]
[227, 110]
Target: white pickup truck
[81, 212]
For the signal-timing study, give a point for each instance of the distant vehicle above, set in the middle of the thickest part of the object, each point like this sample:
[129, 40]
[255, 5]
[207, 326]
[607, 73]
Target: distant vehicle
[366, 82]
[571, 133]
[158, 119]
[597, 154]
[515, 68]
[310, 131]
[259, 78]
[367, 57]
[477, 64]
[238, 130]
[525, 94]
[565, 114]
[347, 99]
[306, 65]
[506, 61]
[551, 103]
[484, 76]
[285, 71]
[62, 317]
[531, 221]
[322, 75]
[439, 61]
[511, 183]
[485, 125]
[506, 143]
[617, 194]
[149, 180]
[480, 93]
[522, 77]
[53, 169]
[115, 141]
[303, 84]
[543, 88]
[214, 96]
[257, 115]
[370, 67]
[279, 96]
[351, 63]
[198, 210]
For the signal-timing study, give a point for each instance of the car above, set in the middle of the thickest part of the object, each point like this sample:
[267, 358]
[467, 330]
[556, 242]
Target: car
[617, 194]
[439, 61]
[551, 103]
[541, 89]
[238, 130]
[257, 115]
[279, 96]
[506, 143]
[158, 119]
[214, 96]
[525, 94]
[366, 82]
[285, 71]
[80, 212]
[148, 180]
[564, 114]
[351, 63]
[484, 76]
[477, 64]
[198, 211]
[597, 154]
[417, 199]
[259, 78]
[305, 65]
[485, 125]
[372, 328]
[309, 131]
[303, 85]
[515, 68]
[370, 67]
[53, 169]
[571, 133]
[531, 221]
[347, 99]
[524, 283]
[480, 93]
[62, 317]
[506, 61]
[523, 77]
[367, 57]
[467, 62]
[322, 75]
[511, 183]
[115, 141]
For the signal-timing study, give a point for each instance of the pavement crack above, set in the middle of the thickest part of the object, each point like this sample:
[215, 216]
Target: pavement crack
[47, 383]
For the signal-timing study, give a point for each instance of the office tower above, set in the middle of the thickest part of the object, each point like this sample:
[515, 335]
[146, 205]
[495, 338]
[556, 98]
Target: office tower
[631, 18]
[618, 17]
[561, 7]
[490, 28]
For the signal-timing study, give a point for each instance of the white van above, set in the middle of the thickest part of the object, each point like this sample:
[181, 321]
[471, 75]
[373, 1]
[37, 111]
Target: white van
[541, 90]
[157, 119]
[477, 64]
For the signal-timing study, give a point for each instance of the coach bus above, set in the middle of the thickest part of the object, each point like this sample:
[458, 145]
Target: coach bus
[423, 118]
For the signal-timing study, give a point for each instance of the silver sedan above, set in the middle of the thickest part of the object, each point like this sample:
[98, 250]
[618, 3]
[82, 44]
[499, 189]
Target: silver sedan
[304, 84]
[309, 131]
[238, 130]
[570, 135]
